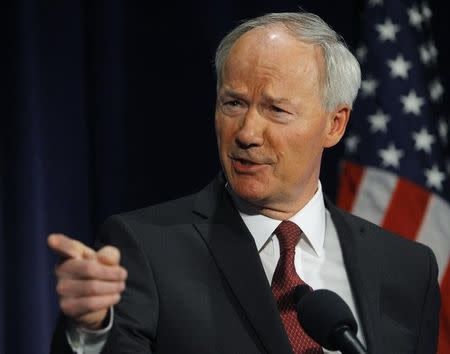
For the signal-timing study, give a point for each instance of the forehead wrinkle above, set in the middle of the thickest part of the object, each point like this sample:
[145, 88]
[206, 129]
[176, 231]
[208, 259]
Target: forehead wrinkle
[241, 80]
[256, 65]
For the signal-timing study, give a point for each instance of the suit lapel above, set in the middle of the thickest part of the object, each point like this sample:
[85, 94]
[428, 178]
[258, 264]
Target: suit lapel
[236, 256]
[362, 268]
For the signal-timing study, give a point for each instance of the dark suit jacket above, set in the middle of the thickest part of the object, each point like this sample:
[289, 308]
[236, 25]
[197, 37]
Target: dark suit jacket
[196, 283]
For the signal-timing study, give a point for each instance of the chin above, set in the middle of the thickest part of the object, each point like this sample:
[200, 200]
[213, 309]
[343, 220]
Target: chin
[250, 191]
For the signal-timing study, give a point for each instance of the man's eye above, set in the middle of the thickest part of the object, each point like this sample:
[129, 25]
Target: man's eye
[232, 107]
[278, 109]
[233, 103]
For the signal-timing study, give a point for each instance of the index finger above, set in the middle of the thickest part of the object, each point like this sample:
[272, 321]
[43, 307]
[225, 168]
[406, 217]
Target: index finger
[69, 248]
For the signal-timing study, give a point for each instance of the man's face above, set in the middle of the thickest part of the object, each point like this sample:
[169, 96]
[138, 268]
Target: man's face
[270, 122]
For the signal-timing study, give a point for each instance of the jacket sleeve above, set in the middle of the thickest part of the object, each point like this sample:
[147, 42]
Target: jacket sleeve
[136, 315]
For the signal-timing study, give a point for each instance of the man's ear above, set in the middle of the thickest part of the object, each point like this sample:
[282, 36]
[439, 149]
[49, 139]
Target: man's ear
[338, 120]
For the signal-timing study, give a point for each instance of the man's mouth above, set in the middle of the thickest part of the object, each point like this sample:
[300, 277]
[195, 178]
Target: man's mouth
[246, 162]
[244, 166]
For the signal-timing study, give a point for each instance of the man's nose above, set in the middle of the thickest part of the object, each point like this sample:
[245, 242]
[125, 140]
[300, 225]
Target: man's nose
[251, 131]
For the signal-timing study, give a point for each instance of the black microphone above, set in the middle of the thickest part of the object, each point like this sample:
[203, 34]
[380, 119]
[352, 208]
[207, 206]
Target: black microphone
[328, 320]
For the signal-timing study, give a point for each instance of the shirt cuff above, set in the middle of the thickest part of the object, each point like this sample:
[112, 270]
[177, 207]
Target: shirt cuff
[87, 341]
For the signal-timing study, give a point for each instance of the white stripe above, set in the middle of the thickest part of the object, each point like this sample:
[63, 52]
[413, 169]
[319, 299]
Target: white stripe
[435, 231]
[374, 195]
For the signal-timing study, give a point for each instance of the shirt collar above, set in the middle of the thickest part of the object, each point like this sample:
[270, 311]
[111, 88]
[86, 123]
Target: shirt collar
[310, 219]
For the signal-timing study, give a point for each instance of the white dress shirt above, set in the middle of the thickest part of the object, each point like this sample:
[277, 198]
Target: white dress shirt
[318, 261]
[318, 255]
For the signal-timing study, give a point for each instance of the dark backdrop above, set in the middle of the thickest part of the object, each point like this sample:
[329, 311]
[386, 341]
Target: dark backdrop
[108, 106]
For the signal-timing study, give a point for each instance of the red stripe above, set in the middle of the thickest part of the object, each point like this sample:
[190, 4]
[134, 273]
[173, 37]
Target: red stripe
[444, 325]
[406, 209]
[350, 181]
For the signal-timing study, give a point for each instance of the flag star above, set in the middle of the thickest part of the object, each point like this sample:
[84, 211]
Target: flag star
[390, 156]
[425, 55]
[415, 17]
[361, 53]
[443, 130]
[434, 177]
[412, 103]
[387, 31]
[436, 90]
[368, 87]
[428, 52]
[399, 67]
[426, 12]
[432, 50]
[375, 2]
[378, 121]
[423, 140]
[351, 143]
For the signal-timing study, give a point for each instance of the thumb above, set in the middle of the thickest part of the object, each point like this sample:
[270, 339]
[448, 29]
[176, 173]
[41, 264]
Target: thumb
[109, 255]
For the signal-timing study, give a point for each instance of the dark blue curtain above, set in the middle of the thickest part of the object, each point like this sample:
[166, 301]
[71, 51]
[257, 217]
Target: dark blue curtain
[108, 106]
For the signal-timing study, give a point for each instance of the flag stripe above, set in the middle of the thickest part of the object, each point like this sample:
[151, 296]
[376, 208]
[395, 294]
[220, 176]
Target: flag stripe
[406, 221]
[374, 195]
[349, 184]
[434, 231]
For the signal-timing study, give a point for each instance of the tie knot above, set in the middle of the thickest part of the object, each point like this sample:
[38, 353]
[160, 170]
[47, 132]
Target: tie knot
[288, 234]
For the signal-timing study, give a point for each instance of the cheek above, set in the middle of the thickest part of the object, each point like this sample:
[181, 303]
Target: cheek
[219, 128]
[224, 131]
[297, 148]
[313, 134]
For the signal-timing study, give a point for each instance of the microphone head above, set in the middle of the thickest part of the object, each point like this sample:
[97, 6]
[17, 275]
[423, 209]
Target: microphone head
[322, 313]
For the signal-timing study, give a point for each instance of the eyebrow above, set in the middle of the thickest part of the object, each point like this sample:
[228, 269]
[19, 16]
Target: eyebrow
[266, 97]
[273, 99]
[234, 94]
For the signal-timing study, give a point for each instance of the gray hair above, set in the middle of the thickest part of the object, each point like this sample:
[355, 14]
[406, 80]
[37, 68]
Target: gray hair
[342, 73]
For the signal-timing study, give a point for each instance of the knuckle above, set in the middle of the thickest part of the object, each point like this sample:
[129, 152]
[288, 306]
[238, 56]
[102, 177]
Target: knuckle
[88, 269]
[109, 272]
[65, 307]
[121, 286]
[116, 298]
[60, 288]
[66, 267]
[92, 288]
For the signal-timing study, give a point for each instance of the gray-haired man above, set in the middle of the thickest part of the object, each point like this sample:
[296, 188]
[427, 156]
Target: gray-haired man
[200, 268]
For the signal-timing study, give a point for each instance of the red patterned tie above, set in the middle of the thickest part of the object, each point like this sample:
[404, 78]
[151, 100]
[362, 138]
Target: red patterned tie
[284, 281]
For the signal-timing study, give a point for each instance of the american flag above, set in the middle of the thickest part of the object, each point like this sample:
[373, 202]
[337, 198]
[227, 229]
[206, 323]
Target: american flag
[396, 170]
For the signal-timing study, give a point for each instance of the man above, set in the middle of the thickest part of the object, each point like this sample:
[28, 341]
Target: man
[214, 272]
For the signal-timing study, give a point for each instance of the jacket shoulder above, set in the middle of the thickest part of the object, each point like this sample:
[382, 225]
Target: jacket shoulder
[378, 235]
[169, 212]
